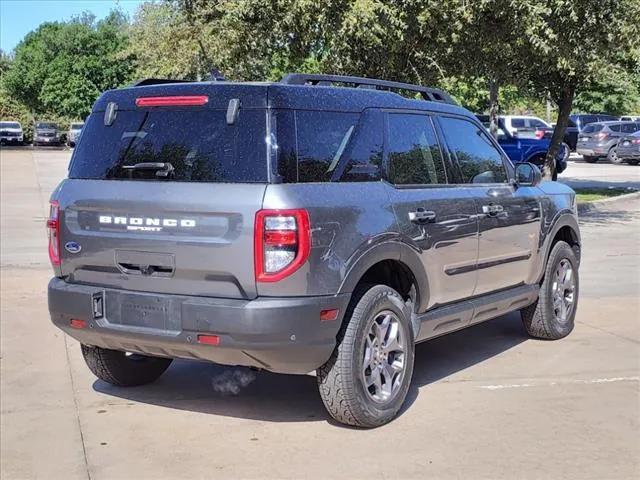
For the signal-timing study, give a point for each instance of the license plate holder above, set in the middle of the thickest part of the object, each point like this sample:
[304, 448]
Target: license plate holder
[146, 311]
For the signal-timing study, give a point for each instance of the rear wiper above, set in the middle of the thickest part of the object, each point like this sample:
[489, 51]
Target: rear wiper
[163, 169]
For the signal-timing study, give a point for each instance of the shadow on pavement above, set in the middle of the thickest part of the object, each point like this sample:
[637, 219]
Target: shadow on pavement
[243, 393]
[607, 215]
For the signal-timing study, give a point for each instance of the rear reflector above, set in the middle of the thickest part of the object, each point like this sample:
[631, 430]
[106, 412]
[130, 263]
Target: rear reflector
[77, 323]
[329, 315]
[173, 101]
[209, 339]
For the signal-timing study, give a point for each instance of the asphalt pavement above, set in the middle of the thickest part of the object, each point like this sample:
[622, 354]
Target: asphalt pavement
[486, 402]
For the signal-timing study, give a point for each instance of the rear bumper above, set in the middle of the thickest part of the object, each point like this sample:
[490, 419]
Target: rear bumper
[283, 335]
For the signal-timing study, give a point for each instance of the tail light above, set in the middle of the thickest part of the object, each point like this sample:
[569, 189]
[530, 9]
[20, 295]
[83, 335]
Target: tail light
[53, 227]
[636, 141]
[539, 134]
[282, 243]
[601, 136]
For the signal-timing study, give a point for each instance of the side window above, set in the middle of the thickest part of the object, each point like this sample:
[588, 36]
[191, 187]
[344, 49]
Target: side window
[322, 138]
[479, 160]
[364, 152]
[414, 153]
[630, 127]
[615, 128]
[535, 123]
[517, 122]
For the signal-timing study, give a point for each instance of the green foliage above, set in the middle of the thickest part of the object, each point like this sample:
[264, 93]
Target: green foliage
[617, 93]
[61, 68]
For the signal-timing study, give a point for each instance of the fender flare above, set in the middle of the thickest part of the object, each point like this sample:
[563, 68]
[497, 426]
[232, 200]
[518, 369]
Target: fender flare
[390, 250]
[565, 218]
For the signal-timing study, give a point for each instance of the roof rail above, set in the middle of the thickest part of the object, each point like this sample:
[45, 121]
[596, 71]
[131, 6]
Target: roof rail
[157, 81]
[428, 93]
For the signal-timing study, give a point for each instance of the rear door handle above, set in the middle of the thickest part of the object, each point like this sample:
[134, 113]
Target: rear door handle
[492, 210]
[421, 216]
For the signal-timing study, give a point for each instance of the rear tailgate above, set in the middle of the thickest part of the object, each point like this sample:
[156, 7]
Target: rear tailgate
[162, 194]
[180, 238]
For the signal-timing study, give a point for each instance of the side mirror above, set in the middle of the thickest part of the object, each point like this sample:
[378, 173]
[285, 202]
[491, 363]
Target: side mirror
[527, 175]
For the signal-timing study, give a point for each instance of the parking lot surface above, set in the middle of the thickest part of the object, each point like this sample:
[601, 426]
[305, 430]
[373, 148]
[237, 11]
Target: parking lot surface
[580, 174]
[486, 402]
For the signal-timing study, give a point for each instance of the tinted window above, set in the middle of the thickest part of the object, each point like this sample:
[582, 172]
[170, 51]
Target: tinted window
[594, 127]
[364, 152]
[586, 119]
[517, 122]
[322, 138]
[615, 128]
[76, 126]
[478, 159]
[414, 154]
[198, 144]
[45, 125]
[9, 125]
[629, 127]
[534, 122]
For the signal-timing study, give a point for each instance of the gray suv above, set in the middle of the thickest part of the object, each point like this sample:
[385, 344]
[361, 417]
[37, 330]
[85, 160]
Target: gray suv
[600, 140]
[300, 226]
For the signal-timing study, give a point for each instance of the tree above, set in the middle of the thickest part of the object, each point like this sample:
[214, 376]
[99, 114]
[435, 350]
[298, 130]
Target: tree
[571, 44]
[61, 68]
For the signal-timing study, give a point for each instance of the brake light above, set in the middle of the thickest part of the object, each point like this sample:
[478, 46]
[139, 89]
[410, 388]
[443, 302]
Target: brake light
[601, 136]
[53, 228]
[172, 101]
[282, 243]
[539, 134]
[636, 141]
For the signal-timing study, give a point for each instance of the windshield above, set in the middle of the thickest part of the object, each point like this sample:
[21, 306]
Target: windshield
[76, 126]
[9, 125]
[46, 125]
[193, 145]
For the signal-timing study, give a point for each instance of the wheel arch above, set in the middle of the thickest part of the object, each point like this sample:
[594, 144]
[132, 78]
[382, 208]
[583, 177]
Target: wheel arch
[566, 229]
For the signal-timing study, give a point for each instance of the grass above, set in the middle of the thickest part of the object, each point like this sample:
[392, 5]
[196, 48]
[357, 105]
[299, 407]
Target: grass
[590, 194]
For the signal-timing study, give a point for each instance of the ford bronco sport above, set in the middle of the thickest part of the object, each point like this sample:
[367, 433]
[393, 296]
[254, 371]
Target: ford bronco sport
[300, 226]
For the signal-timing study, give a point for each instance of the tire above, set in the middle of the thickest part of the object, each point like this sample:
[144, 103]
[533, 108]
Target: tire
[613, 157]
[342, 381]
[544, 318]
[123, 370]
[590, 159]
[566, 151]
[633, 162]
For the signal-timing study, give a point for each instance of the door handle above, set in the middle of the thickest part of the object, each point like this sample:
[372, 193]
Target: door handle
[492, 210]
[421, 216]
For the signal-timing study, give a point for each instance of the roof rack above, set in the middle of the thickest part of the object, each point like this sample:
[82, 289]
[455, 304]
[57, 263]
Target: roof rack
[428, 93]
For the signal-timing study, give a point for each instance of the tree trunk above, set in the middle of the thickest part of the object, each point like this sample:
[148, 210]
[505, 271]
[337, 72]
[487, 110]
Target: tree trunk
[494, 88]
[565, 103]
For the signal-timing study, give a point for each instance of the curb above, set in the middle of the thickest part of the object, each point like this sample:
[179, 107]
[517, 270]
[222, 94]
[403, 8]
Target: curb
[590, 206]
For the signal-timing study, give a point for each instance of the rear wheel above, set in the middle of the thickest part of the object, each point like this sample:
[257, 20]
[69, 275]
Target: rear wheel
[552, 316]
[613, 157]
[590, 159]
[367, 378]
[633, 162]
[123, 369]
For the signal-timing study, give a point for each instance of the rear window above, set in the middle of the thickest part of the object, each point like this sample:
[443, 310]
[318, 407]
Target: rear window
[592, 128]
[194, 146]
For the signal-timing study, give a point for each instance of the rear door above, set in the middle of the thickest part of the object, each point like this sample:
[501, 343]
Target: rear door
[439, 221]
[163, 199]
[509, 217]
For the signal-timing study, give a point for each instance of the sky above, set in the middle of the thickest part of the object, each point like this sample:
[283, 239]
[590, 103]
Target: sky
[19, 17]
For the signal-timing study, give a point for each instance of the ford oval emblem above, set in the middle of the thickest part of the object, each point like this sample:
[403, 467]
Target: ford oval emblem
[72, 247]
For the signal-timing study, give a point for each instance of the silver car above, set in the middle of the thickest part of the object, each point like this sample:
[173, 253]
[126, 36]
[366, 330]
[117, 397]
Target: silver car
[74, 133]
[11, 133]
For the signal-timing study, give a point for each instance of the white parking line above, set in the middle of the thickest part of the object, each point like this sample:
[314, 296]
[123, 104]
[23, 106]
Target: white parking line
[562, 382]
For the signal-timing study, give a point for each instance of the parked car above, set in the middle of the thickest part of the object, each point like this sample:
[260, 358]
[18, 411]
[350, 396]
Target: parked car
[630, 118]
[46, 133]
[628, 149]
[599, 140]
[523, 126]
[578, 121]
[74, 133]
[11, 133]
[524, 149]
[249, 224]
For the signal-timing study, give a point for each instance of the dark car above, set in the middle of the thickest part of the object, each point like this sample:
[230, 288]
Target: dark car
[628, 149]
[300, 226]
[599, 140]
[46, 133]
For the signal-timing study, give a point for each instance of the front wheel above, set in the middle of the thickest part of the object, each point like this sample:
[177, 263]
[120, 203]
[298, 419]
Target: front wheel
[590, 159]
[366, 380]
[123, 369]
[552, 316]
